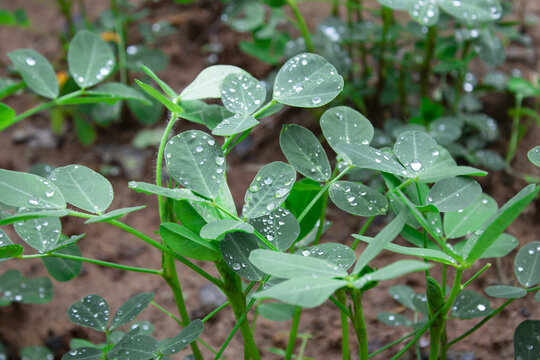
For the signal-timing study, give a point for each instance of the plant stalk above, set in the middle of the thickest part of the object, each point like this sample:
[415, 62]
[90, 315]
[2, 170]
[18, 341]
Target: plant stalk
[345, 352]
[293, 333]
[301, 24]
[359, 324]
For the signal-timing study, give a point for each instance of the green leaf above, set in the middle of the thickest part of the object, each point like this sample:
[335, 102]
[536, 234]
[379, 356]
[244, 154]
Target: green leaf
[36, 71]
[534, 155]
[215, 229]
[385, 236]
[291, 266]
[500, 247]
[404, 295]
[358, 199]
[196, 161]
[280, 227]
[299, 198]
[42, 234]
[118, 91]
[187, 243]
[7, 116]
[176, 193]
[473, 11]
[425, 12]
[334, 253]
[445, 130]
[189, 334]
[416, 150]
[145, 327]
[527, 264]
[521, 87]
[162, 84]
[64, 269]
[209, 82]
[235, 250]
[307, 80]
[305, 292]
[469, 219]
[396, 4]
[366, 157]
[269, 189]
[202, 113]
[83, 353]
[91, 311]
[505, 291]
[393, 319]
[276, 311]
[437, 173]
[16, 288]
[83, 187]
[434, 294]
[235, 125]
[134, 347]
[113, 215]
[454, 194]
[36, 353]
[304, 152]
[175, 108]
[392, 271]
[469, 305]
[8, 250]
[131, 309]
[429, 254]
[146, 114]
[28, 190]
[90, 59]
[490, 48]
[342, 124]
[85, 131]
[482, 239]
[242, 93]
[527, 340]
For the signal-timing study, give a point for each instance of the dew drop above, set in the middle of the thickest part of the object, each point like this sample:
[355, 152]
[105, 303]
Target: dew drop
[30, 61]
[33, 201]
[416, 165]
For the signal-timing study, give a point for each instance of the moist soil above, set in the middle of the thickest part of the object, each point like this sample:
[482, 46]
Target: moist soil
[31, 142]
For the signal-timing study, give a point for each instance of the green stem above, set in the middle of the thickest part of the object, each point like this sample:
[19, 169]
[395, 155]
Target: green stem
[425, 72]
[363, 231]
[233, 290]
[392, 344]
[466, 283]
[481, 323]
[293, 333]
[301, 24]
[93, 261]
[218, 309]
[170, 276]
[345, 352]
[359, 324]
[321, 219]
[159, 160]
[514, 136]
[341, 306]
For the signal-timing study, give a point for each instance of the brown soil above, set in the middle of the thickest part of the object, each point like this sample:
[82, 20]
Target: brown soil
[26, 325]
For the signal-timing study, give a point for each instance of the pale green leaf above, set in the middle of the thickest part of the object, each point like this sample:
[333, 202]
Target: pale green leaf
[469, 305]
[276, 311]
[216, 229]
[342, 124]
[280, 227]
[416, 150]
[454, 193]
[208, 83]
[36, 71]
[469, 219]
[527, 264]
[505, 291]
[242, 93]
[176, 193]
[28, 190]
[473, 10]
[534, 155]
[358, 199]
[235, 124]
[113, 215]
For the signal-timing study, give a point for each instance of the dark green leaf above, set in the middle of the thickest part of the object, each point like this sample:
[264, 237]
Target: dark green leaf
[91, 311]
[505, 291]
[242, 93]
[64, 269]
[342, 124]
[358, 199]
[187, 243]
[527, 264]
[84, 353]
[235, 125]
[469, 219]
[131, 309]
[235, 250]
[183, 339]
[119, 91]
[276, 311]
[403, 294]
[334, 253]
[527, 340]
[417, 151]
[469, 305]
[36, 353]
[366, 157]
[16, 288]
[454, 193]
[280, 227]
[7, 116]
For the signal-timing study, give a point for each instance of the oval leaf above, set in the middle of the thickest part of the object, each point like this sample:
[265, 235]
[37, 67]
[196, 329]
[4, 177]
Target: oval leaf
[235, 249]
[454, 194]
[416, 150]
[304, 152]
[242, 93]
[358, 199]
[473, 11]
[534, 155]
[83, 187]
[505, 292]
[235, 125]
[90, 59]
[64, 269]
[290, 266]
[276, 311]
[335, 253]
[465, 221]
[91, 311]
[131, 309]
[189, 334]
[28, 190]
[307, 80]
[83, 353]
[208, 83]
[16, 288]
[527, 264]
[280, 227]
[42, 234]
[269, 189]
[366, 157]
[469, 305]
[196, 161]
[527, 340]
[36, 71]
[393, 319]
[425, 12]
[342, 124]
